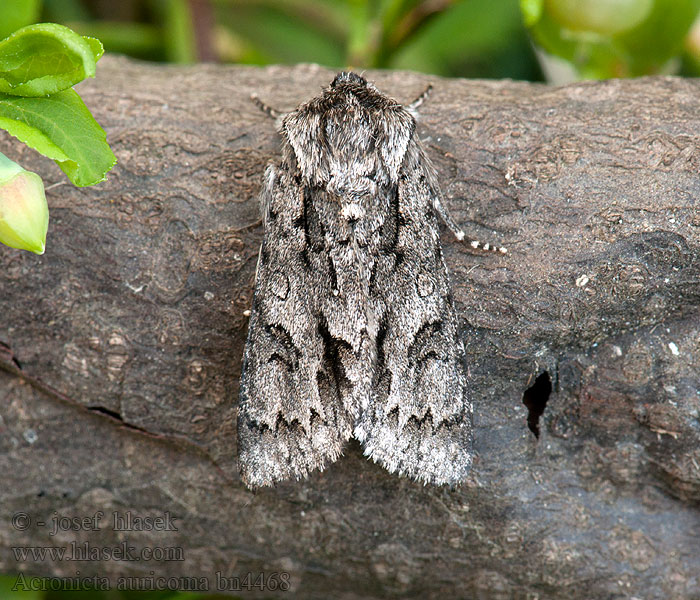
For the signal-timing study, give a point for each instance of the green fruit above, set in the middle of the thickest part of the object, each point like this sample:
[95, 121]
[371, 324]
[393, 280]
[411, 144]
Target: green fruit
[24, 213]
[606, 17]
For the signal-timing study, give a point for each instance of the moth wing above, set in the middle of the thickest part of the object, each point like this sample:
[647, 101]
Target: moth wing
[418, 421]
[290, 418]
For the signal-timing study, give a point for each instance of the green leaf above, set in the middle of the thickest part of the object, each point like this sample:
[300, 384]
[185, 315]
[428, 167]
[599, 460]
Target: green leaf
[43, 59]
[61, 128]
[659, 37]
[96, 47]
[17, 13]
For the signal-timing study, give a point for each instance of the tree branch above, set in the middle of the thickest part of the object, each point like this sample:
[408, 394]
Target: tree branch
[138, 308]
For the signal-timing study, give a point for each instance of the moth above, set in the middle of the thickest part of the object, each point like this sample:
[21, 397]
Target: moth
[353, 330]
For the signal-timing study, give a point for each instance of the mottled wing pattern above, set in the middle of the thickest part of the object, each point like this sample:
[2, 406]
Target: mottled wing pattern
[353, 329]
[418, 421]
[291, 420]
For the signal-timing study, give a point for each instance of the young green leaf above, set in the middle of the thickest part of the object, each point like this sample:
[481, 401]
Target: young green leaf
[61, 128]
[42, 59]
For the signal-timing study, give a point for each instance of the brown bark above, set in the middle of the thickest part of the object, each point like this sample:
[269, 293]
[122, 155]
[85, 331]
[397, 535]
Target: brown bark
[136, 312]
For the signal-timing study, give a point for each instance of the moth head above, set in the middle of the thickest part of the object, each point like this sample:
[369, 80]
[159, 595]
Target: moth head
[350, 132]
[350, 78]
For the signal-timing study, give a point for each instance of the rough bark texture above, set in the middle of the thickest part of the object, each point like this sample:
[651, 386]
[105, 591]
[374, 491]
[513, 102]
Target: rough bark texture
[137, 311]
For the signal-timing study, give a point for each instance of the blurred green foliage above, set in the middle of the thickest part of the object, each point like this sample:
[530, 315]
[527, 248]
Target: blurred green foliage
[470, 38]
[466, 38]
[8, 582]
[599, 39]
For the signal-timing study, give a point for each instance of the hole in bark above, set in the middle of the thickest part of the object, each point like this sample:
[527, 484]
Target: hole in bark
[535, 399]
[106, 411]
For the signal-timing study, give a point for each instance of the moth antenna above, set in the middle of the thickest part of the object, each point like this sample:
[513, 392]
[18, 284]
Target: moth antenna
[413, 106]
[266, 108]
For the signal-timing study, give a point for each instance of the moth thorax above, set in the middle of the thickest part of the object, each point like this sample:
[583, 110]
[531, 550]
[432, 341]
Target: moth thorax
[351, 187]
[352, 211]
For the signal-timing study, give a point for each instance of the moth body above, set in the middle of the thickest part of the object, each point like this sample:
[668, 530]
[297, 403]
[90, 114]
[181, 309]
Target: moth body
[353, 330]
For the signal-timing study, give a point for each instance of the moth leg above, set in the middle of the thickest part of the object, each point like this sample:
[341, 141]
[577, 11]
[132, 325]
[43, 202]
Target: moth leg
[438, 204]
[459, 233]
[432, 177]
[452, 225]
